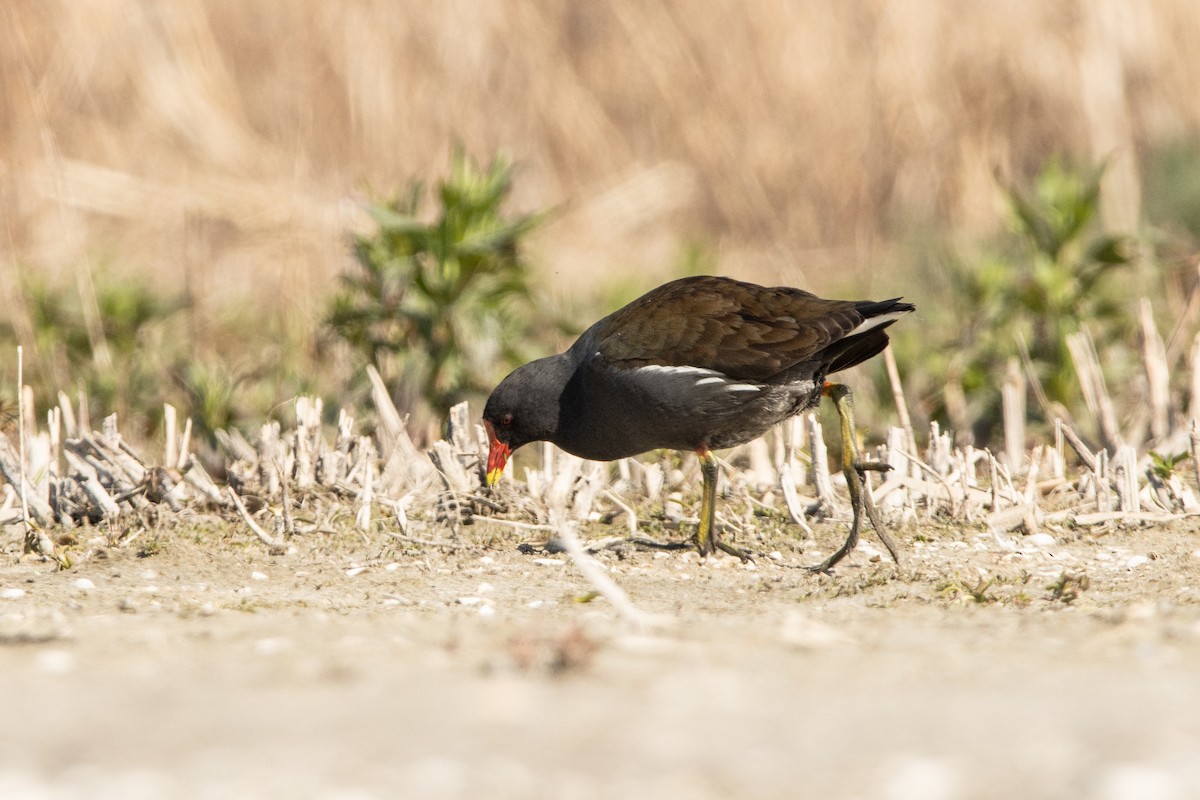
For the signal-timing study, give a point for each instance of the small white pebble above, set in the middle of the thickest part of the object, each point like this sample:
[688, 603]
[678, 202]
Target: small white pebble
[258, 576]
[55, 662]
[207, 609]
[487, 611]
[1103, 557]
[350, 573]
[1041, 540]
[1141, 612]
[271, 645]
[486, 560]
[11, 594]
[83, 584]
[469, 601]
[484, 588]
[775, 555]
[149, 575]
[392, 567]
[535, 604]
[1196, 554]
[1136, 561]
[1132, 781]
[549, 562]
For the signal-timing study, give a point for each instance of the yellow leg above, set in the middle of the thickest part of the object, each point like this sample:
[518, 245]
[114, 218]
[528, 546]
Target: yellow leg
[706, 539]
[853, 469]
[705, 534]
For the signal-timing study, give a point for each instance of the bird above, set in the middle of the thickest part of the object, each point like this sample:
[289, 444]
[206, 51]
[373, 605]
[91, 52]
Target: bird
[698, 364]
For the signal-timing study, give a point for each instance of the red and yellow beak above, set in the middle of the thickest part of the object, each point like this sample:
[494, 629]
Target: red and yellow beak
[497, 456]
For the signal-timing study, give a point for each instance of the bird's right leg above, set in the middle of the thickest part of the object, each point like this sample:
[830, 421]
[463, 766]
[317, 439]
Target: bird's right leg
[854, 469]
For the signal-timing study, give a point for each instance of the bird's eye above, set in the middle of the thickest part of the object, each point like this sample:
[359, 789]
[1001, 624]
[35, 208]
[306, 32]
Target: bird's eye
[506, 420]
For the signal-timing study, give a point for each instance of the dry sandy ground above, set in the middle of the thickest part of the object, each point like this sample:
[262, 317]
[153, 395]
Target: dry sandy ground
[207, 669]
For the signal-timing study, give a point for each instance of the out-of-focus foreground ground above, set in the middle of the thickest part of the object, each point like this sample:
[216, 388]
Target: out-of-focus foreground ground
[209, 669]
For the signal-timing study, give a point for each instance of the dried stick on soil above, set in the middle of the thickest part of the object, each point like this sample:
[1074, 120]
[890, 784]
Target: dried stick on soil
[630, 516]
[21, 442]
[1154, 354]
[1095, 392]
[1194, 438]
[603, 584]
[1194, 402]
[822, 481]
[10, 468]
[36, 539]
[1012, 395]
[791, 499]
[1183, 322]
[90, 482]
[275, 547]
[889, 360]
[950, 498]
[1124, 467]
[185, 444]
[512, 523]
[170, 431]
[1085, 455]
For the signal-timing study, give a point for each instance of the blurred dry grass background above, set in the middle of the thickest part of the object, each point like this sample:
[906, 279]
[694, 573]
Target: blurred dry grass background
[219, 151]
[224, 145]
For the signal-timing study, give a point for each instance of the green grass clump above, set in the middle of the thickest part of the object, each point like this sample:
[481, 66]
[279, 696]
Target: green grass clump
[441, 307]
[1053, 274]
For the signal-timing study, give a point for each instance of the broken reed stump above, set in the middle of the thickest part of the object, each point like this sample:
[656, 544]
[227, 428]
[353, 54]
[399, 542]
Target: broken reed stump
[83, 477]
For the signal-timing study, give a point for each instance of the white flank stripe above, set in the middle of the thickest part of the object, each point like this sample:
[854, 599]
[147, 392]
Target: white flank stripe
[681, 371]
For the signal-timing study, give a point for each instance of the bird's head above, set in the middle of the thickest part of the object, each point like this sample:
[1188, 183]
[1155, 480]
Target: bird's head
[522, 409]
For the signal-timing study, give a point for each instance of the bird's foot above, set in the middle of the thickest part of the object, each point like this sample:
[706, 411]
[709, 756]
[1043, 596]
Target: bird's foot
[655, 544]
[713, 544]
[725, 547]
[862, 504]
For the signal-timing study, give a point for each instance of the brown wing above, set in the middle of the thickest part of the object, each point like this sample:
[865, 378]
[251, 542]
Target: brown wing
[745, 331]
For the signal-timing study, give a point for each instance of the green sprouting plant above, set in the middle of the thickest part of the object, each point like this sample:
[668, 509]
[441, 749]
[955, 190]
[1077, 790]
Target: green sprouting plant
[1041, 284]
[1163, 466]
[439, 306]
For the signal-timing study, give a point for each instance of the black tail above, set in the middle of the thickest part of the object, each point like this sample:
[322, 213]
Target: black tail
[858, 348]
[877, 308]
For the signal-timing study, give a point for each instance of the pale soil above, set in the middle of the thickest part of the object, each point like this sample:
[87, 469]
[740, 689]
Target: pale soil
[209, 669]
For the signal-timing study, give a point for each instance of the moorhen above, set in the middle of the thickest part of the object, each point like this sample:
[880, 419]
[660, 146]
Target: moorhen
[700, 363]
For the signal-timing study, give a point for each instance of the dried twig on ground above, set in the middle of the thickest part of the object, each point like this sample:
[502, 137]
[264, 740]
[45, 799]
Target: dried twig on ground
[275, 546]
[603, 584]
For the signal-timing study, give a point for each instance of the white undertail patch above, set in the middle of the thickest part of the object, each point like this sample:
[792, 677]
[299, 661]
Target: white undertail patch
[875, 322]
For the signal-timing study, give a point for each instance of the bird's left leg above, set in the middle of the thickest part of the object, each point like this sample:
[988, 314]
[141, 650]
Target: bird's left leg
[706, 535]
[706, 539]
[854, 469]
